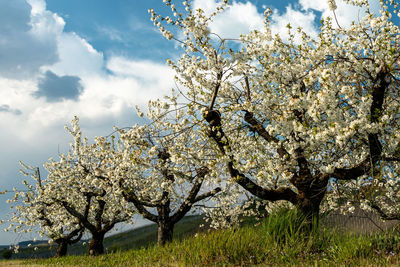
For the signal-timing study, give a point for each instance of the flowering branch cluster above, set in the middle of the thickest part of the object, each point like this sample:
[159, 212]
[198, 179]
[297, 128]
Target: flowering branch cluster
[287, 119]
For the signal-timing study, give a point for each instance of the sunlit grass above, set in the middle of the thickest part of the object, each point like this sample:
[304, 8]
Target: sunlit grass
[279, 240]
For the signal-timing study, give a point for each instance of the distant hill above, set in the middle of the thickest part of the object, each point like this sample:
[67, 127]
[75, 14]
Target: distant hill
[24, 244]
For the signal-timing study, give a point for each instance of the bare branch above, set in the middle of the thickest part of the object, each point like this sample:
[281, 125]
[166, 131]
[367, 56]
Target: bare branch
[352, 173]
[215, 93]
[208, 194]
[248, 95]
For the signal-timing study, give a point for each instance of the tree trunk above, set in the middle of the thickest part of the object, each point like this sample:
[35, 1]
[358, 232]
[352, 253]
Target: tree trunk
[62, 249]
[165, 232]
[311, 192]
[309, 206]
[310, 210]
[96, 244]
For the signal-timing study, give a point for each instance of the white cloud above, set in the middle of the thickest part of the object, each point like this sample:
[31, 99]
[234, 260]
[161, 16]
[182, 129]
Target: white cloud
[24, 47]
[77, 57]
[38, 6]
[131, 83]
[147, 71]
[241, 18]
[105, 96]
[208, 6]
[33, 41]
[312, 4]
[238, 18]
[296, 19]
[345, 13]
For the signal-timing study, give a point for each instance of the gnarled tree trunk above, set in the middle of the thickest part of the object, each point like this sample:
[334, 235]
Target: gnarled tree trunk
[96, 244]
[62, 248]
[165, 232]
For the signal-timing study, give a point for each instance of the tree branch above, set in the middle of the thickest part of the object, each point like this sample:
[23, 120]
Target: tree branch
[384, 215]
[283, 193]
[217, 133]
[352, 173]
[391, 159]
[82, 219]
[190, 199]
[215, 93]
[78, 232]
[208, 194]
[248, 95]
[132, 198]
[259, 128]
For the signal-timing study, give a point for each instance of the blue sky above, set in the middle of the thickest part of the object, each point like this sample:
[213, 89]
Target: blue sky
[98, 59]
[115, 27]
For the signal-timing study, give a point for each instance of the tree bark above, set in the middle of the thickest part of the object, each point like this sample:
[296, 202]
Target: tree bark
[310, 210]
[165, 232]
[62, 248]
[96, 244]
[165, 224]
[311, 193]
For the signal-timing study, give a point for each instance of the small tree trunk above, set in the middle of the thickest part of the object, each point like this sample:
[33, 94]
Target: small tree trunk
[309, 207]
[96, 244]
[62, 248]
[165, 232]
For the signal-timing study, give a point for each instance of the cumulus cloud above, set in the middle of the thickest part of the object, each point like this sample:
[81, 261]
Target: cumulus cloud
[241, 18]
[208, 6]
[57, 88]
[238, 18]
[296, 19]
[345, 13]
[113, 95]
[22, 49]
[32, 40]
[76, 57]
[8, 109]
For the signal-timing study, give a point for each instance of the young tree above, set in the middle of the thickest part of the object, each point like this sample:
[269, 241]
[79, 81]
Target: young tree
[81, 182]
[32, 210]
[163, 175]
[287, 117]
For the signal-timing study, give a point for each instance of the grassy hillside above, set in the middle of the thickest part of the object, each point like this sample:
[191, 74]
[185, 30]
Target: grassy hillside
[132, 239]
[279, 240]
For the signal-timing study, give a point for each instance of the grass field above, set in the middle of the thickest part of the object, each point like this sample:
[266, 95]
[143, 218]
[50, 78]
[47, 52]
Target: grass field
[132, 239]
[279, 240]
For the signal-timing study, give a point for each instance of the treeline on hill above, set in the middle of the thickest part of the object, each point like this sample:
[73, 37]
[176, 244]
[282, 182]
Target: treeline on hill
[312, 123]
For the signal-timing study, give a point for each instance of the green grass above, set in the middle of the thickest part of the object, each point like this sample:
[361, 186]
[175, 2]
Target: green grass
[133, 239]
[279, 240]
